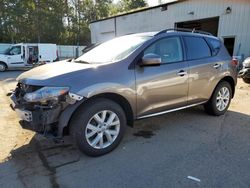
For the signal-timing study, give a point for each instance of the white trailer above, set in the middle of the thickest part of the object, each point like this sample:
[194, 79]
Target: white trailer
[26, 55]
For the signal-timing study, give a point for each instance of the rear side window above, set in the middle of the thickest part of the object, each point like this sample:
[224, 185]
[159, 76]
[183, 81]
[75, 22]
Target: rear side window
[197, 48]
[215, 44]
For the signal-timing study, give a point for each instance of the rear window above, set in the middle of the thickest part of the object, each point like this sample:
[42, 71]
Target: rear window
[215, 44]
[197, 48]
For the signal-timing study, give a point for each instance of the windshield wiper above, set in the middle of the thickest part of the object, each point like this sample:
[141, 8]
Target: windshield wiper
[81, 61]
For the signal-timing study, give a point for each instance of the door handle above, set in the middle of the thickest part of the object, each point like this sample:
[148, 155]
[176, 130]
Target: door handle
[182, 73]
[216, 66]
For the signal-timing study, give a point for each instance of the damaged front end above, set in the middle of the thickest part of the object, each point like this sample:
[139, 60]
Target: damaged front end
[41, 108]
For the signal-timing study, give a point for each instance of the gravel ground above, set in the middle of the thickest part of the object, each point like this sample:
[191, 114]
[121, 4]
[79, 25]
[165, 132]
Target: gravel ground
[158, 152]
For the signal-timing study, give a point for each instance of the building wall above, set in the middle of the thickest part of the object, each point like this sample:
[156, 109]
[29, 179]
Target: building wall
[102, 31]
[237, 23]
[69, 51]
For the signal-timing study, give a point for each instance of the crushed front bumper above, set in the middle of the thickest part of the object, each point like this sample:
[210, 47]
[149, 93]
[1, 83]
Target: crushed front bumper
[24, 115]
[39, 119]
[21, 113]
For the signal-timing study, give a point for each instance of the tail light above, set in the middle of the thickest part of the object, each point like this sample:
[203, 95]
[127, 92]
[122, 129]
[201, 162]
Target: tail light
[235, 62]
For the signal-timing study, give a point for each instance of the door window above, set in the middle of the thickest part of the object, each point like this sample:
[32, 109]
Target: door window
[15, 50]
[169, 49]
[197, 48]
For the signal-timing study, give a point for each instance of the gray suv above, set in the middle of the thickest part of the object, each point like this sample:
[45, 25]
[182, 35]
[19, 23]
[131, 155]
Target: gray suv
[94, 97]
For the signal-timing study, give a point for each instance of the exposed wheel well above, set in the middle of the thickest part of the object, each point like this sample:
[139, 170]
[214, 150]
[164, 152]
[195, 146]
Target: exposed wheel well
[230, 80]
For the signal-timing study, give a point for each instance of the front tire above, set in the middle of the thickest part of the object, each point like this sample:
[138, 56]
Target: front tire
[220, 100]
[98, 126]
[246, 80]
[3, 67]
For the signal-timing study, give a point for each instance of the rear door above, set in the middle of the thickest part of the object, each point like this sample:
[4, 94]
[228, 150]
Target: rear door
[47, 53]
[164, 87]
[204, 69]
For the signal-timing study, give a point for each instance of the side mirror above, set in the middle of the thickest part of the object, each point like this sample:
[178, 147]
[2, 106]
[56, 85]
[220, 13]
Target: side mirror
[151, 60]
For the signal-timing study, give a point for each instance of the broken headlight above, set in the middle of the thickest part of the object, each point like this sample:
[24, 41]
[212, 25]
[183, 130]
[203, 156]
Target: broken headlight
[45, 94]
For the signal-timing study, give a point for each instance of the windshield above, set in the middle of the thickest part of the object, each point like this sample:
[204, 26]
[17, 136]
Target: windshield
[113, 50]
[13, 50]
[7, 51]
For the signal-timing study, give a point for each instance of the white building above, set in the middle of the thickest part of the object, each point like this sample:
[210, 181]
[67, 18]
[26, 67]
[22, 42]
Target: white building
[227, 19]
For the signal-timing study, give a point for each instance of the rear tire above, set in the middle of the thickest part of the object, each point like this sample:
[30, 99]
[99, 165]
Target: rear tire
[3, 67]
[220, 100]
[246, 80]
[98, 126]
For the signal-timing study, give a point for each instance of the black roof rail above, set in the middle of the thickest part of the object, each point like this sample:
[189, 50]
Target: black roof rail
[183, 30]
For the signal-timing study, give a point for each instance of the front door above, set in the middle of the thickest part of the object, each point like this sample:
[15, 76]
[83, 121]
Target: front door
[15, 57]
[163, 87]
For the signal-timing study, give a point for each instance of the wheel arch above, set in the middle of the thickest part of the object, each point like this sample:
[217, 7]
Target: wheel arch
[209, 106]
[122, 101]
[4, 64]
[68, 114]
[231, 81]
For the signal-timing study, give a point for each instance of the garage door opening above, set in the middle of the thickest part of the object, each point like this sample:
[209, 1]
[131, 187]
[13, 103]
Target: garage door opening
[209, 25]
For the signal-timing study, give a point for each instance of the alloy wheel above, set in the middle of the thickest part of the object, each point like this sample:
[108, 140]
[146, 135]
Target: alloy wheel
[222, 99]
[102, 129]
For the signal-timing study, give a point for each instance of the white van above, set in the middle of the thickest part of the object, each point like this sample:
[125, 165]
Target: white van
[27, 55]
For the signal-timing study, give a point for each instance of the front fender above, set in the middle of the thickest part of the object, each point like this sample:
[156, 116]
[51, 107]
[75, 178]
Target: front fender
[92, 91]
[128, 93]
[3, 58]
[108, 87]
